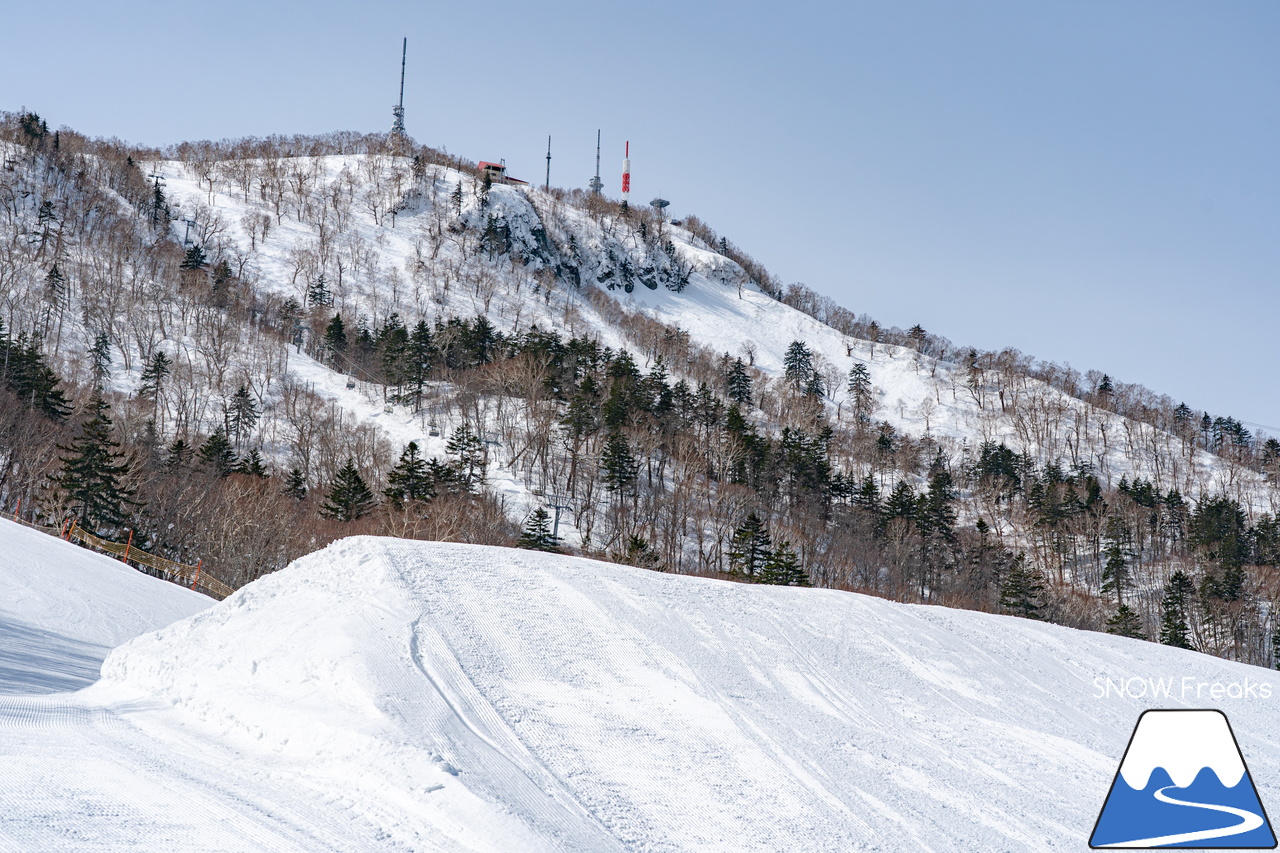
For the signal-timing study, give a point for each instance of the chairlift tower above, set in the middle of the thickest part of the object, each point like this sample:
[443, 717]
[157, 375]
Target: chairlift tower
[558, 503]
[397, 112]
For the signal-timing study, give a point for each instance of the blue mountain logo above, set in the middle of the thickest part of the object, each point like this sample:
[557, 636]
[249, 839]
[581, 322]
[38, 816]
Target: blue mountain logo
[1183, 783]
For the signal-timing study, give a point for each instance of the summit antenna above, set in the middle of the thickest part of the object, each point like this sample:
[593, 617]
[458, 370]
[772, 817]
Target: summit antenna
[547, 186]
[596, 184]
[397, 125]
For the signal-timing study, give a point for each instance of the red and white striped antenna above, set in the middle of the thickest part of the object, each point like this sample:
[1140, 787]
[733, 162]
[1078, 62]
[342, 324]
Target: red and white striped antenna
[626, 176]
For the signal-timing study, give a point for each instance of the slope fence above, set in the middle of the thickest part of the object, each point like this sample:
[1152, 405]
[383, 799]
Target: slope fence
[193, 577]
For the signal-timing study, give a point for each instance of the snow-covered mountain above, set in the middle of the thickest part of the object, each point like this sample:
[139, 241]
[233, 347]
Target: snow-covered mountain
[392, 695]
[419, 250]
[265, 314]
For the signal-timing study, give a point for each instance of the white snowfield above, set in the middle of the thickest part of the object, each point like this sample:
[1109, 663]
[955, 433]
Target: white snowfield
[387, 695]
[62, 609]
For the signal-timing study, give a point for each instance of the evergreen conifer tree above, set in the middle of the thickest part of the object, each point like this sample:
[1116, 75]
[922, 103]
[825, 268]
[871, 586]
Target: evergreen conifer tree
[1275, 645]
[217, 454]
[1126, 623]
[860, 391]
[242, 414]
[194, 259]
[750, 548]
[935, 508]
[1023, 590]
[418, 359]
[468, 448]
[738, 383]
[159, 206]
[179, 455]
[100, 356]
[1174, 628]
[815, 388]
[639, 553]
[798, 364]
[335, 335]
[46, 214]
[782, 567]
[393, 346]
[901, 503]
[93, 472]
[867, 495]
[318, 294]
[153, 376]
[1115, 573]
[55, 285]
[410, 479]
[24, 371]
[295, 484]
[349, 497]
[580, 415]
[253, 465]
[536, 535]
[618, 466]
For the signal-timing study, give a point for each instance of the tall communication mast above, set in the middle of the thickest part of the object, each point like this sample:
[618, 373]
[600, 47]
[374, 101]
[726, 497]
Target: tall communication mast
[596, 184]
[626, 177]
[547, 185]
[397, 125]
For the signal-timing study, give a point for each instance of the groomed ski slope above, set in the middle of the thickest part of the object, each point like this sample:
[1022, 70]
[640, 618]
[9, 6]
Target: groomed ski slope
[62, 609]
[408, 696]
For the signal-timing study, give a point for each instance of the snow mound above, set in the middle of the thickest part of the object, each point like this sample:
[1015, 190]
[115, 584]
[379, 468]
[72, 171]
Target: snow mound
[474, 698]
[62, 608]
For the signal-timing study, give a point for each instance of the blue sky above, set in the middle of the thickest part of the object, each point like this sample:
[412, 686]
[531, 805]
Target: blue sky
[1090, 182]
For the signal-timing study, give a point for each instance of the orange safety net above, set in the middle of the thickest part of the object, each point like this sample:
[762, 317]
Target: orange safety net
[194, 577]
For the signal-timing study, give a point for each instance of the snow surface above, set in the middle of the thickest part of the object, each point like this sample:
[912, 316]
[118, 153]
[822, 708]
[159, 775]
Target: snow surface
[392, 695]
[62, 608]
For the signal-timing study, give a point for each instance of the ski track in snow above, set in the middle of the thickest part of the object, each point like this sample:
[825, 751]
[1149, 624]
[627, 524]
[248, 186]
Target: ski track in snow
[400, 696]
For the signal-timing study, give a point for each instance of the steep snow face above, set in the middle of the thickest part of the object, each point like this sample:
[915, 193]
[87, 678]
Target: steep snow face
[62, 608]
[509, 700]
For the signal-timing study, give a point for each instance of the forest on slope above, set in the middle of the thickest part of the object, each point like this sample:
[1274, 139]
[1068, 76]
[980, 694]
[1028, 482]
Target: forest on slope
[242, 350]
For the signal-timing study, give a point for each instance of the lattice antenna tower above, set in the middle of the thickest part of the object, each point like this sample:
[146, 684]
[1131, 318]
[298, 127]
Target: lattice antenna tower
[596, 184]
[397, 125]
